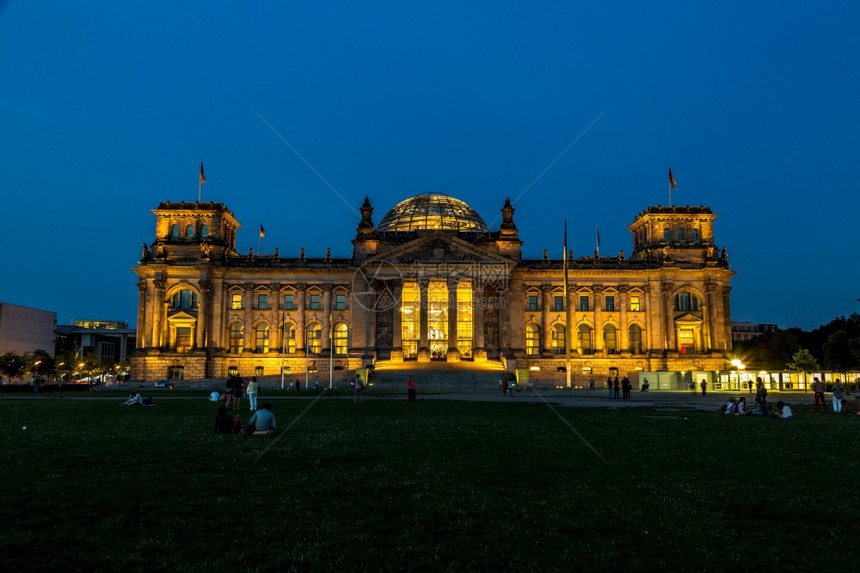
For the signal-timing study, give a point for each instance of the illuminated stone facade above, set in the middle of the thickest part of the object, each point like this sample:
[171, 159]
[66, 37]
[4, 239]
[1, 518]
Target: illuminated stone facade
[430, 283]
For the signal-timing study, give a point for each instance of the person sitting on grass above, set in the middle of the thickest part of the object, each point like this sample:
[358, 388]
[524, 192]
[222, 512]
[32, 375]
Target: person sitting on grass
[741, 407]
[729, 407]
[226, 424]
[214, 396]
[262, 422]
[134, 399]
[783, 412]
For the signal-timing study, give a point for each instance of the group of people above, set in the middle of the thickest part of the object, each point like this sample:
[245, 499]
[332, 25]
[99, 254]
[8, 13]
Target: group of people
[235, 389]
[262, 422]
[762, 406]
[613, 387]
[837, 400]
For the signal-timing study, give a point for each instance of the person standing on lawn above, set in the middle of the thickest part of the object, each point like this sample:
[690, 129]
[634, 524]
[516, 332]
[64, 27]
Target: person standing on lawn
[761, 396]
[410, 388]
[359, 388]
[838, 395]
[253, 388]
[818, 390]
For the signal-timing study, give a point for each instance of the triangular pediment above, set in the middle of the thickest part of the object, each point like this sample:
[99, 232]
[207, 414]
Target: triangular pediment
[181, 316]
[440, 247]
[688, 318]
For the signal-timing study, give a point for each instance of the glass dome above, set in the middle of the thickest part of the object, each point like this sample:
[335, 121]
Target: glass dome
[432, 211]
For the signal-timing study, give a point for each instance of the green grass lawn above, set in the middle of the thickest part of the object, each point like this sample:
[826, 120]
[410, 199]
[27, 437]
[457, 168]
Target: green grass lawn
[386, 485]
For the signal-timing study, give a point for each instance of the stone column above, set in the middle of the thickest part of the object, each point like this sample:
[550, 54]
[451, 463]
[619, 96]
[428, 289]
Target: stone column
[546, 330]
[599, 345]
[326, 319]
[216, 323]
[158, 313]
[248, 316]
[669, 322]
[708, 317]
[479, 302]
[453, 353]
[623, 335]
[396, 288]
[202, 315]
[142, 334]
[423, 345]
[300, 317]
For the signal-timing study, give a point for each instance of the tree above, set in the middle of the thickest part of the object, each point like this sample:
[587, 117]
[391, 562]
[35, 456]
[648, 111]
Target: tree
[39, 362]
[12, 365]
[839, 352]
[804, 361]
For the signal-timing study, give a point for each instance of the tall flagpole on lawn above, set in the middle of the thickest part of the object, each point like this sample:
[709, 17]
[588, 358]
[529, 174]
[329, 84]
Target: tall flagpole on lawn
[566, 312]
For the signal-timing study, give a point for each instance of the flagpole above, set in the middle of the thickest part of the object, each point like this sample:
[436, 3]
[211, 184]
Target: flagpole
[669, 167]
[566, 312]
[200, 181]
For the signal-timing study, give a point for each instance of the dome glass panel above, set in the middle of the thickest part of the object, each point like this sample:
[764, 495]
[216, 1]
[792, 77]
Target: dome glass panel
[432, 211]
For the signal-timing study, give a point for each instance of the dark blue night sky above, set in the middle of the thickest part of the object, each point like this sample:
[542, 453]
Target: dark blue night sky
[107, 108]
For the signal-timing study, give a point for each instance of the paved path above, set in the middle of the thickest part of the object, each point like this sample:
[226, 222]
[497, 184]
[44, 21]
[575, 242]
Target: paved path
[578, 398]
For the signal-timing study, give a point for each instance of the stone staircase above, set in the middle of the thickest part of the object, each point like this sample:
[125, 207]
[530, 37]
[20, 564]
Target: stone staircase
[437, 376]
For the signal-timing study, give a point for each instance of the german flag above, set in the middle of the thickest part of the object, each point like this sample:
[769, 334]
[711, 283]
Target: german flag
[672, 182]
[202, 177]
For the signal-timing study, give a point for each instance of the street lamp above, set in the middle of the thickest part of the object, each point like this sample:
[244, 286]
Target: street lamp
[740, 366]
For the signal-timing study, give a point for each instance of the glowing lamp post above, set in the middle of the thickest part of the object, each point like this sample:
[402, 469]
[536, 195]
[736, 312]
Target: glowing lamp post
[740, 366]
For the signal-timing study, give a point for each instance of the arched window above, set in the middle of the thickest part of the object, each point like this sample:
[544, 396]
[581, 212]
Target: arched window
[558, 339]
[314, 338]
[532, 339]
[204, 231]
[685, 301]
[694, 235]
[174, 231]
[289, 337]
[585, 344]
[341, 336]
[185, 299]
[667, 234]
[189, 231]
[635, 339]
[610, 339]
[261, 338]
[680, 234]
[237, 337]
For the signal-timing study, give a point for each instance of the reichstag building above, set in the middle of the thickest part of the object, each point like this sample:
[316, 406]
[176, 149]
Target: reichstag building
[429, 283]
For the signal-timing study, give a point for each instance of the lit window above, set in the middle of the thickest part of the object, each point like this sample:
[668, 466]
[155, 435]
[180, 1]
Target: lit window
[585, 339]
[236, 301]
[533, 302]
[315, 302]
[341, 334]
[262, 302]
[183, 339]
[315, 338]
[289, 302]
[634, 303]
[635, 339]
[558, 339]
[532, 340]
[189, 231]
[583, 303]
[290, 339]
[610, 303]
[176, 372]
[261, 338]
[237, 337]
[610, 339]
[204, 231]
[558, 303]
[686, 339]
[340, 302]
